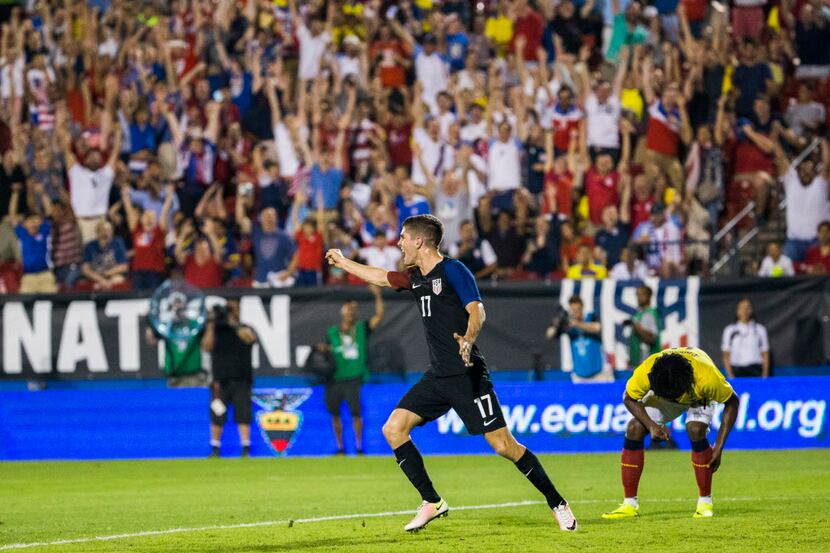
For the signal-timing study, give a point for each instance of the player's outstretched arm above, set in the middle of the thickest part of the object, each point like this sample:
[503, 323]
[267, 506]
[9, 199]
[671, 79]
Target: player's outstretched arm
[657, 431]
[372, 275]
[730, 413]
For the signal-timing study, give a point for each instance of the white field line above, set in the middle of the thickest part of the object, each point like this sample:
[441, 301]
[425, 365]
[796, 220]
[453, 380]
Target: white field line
[358, 515]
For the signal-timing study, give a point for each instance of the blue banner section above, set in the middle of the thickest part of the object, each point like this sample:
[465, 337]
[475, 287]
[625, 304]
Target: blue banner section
[778, 413]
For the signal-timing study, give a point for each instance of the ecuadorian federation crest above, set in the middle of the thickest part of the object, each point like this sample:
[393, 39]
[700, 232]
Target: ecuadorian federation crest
[279, 422]
[436, 286]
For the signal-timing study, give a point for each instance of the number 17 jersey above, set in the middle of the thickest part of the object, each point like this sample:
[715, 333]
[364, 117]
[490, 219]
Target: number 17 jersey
[442, 296]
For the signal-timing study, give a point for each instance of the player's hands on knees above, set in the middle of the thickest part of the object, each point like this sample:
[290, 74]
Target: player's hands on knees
[659, 432]
[335, 257]
[714, 464]
[465, 347]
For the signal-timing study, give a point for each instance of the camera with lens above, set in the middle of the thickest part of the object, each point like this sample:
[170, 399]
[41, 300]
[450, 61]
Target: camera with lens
[561, 321]
[220, 314]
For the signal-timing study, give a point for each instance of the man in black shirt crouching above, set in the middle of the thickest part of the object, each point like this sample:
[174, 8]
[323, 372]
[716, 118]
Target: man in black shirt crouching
[232, 373]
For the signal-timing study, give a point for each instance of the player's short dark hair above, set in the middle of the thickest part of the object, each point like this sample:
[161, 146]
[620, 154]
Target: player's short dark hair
[648, 290]
[823, 224]
[575, 299]
[428, 227]
[671, 376]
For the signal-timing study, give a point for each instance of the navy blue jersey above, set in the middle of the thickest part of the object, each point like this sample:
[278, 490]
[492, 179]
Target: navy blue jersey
[442, 296]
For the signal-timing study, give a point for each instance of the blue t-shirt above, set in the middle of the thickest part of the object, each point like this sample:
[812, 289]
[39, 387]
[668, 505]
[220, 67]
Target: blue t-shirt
[417, 206]
[36, 250]
[272, 252]
[329, 182]
[612, 242]
[457, 50]
[107, 257]
[586, 349]
[147, 202]
[230, 252]
[751, 81]
[142, 138]
[666, 7]
[241, 91]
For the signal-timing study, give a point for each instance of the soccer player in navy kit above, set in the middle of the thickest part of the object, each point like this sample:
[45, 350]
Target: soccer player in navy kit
[452, 312]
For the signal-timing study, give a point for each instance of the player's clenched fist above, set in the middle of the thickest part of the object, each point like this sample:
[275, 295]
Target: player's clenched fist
[335, 257]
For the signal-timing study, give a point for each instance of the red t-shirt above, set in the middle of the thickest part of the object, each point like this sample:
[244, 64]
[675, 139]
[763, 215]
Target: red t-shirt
[530, 25]
[563, 122]
[563, 185]
[568, 250]
[397, 141]
[601, 192]
[695, 9]
[391, 73]
[640, 210]
[208, 275]
[328, 141]
[149, 250]
[749, 158]
[309, 251]
[814, 257]
[663, 131]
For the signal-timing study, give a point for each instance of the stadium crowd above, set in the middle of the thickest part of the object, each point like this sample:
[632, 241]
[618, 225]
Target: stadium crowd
[234, 141]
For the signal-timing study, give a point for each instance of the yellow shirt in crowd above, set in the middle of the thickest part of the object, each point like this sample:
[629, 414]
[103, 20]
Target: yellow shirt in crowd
[593, 270]
[709, 383]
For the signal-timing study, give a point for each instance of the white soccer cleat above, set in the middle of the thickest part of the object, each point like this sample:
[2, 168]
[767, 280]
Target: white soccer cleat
[565, 517]
[427, 512]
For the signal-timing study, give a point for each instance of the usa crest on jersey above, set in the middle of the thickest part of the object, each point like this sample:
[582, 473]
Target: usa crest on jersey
[436, 286]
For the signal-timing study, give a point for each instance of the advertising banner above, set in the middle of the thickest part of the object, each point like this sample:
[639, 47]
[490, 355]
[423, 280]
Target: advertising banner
[548, 417]
[103, 336]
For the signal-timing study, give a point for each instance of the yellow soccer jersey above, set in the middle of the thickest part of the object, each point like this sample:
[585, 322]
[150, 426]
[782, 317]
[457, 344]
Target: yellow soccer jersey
[709, 383]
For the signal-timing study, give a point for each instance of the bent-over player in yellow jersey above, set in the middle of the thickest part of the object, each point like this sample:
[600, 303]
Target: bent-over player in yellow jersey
[664, 386]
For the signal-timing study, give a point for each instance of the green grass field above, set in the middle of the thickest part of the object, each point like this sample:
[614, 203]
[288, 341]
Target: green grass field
[763, 500]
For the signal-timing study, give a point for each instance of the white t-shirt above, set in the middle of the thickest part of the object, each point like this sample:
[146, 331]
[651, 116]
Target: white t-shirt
[476, 186]
[348, 66]
[312, 49]
[770, 268]
[433, 74]
[89, 191]
[745, 342]
[603, 122]
[444, 122]
[286, 153]
[431, 153]
[473, 131]
[11, 77]
[807, 206]
[452, 210]
[504, 165]
[620, 271]
[385, 258]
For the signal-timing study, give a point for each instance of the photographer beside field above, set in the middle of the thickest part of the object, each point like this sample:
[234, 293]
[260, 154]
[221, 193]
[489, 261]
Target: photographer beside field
[229, 343]
[584, 330]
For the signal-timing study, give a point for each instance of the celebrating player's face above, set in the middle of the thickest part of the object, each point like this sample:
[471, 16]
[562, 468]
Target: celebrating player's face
[409, 247]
